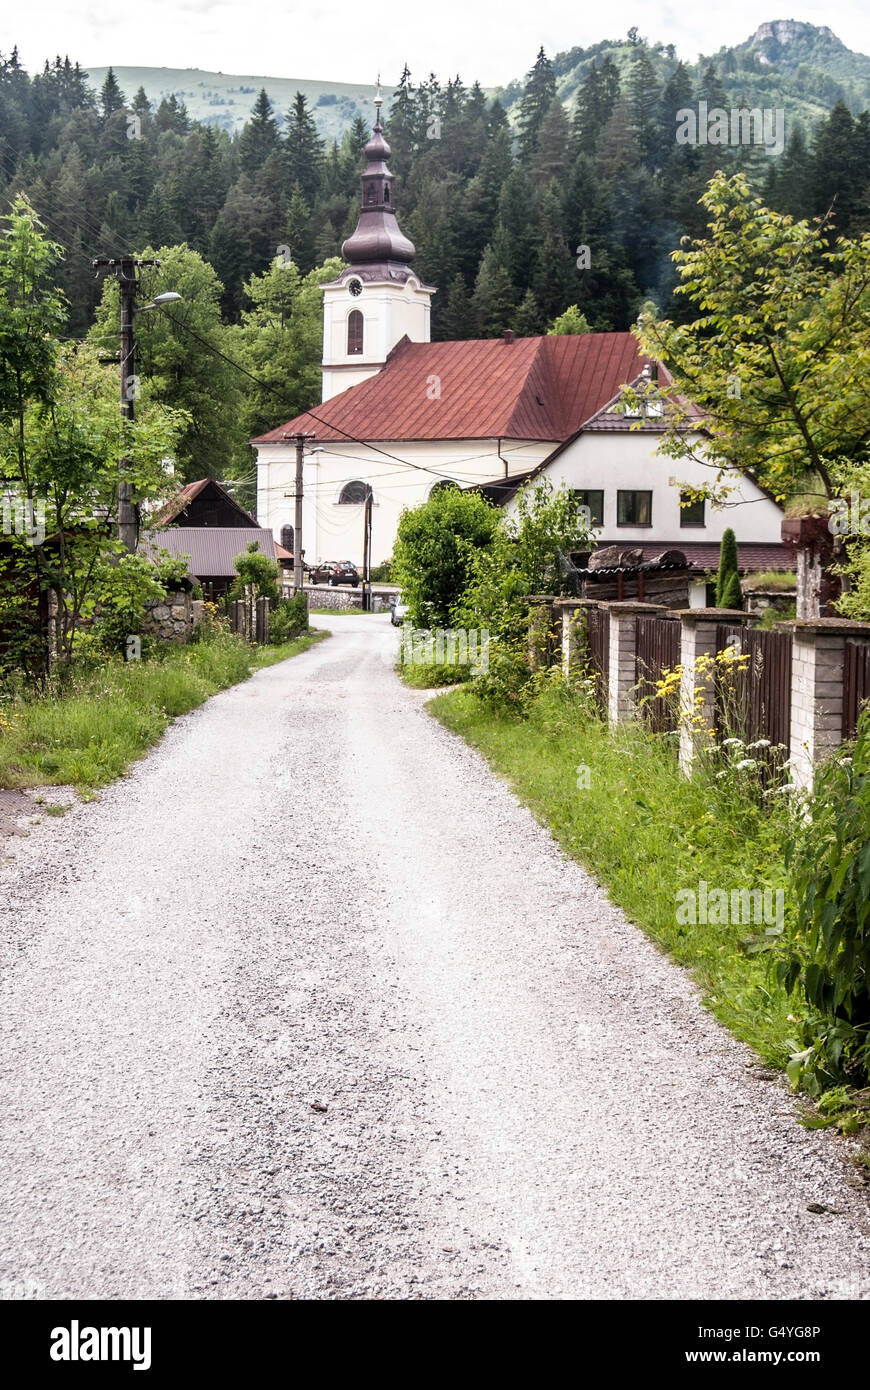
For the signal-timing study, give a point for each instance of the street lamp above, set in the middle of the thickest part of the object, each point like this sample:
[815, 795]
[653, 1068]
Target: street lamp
[157, 302]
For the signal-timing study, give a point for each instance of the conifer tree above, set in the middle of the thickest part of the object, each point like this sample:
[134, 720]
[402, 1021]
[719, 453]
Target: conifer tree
[728, 575]
[112, 99]
[539, 94]
[259, 137]
[304, 149]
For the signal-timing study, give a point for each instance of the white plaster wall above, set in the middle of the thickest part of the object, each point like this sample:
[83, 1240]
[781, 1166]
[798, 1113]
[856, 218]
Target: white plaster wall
[628, 461]
[332, 531]
[390, 312]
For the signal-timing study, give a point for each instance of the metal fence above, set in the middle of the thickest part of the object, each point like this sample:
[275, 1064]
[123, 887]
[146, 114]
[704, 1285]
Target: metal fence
[754, 701]
[599, 652]
[856, 684]
[657, 649]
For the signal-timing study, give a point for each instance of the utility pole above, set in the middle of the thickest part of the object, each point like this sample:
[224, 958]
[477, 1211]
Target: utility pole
[297, 526]
[367, 552]
[126, 269]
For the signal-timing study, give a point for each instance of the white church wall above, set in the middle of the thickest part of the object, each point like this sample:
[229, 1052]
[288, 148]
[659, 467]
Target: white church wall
[334, 531]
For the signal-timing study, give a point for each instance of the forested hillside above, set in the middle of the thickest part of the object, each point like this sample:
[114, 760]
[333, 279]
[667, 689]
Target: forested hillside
[497, 200]
[500, 199]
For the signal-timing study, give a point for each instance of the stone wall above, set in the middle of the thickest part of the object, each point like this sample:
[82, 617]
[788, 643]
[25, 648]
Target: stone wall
[172, 619]
[345, 599]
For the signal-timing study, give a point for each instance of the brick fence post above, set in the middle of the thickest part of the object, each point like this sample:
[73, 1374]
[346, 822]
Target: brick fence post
[575, 632]
[542, 618]
[622, 657]
[817, 671]
[697, 690]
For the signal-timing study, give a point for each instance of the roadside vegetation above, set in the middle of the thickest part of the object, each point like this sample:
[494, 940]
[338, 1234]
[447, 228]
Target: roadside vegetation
[94, 719]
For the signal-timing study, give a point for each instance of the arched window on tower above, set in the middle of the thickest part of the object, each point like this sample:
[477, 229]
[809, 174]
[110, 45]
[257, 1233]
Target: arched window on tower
[287, 538]
[370, 193]
[386, 192]
[354, 494]
[354, 333]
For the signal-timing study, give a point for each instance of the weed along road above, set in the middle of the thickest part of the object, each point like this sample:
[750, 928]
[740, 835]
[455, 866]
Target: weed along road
[309, 1006]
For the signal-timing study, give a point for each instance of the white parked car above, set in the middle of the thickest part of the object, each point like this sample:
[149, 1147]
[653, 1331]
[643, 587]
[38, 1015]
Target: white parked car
[398, 610]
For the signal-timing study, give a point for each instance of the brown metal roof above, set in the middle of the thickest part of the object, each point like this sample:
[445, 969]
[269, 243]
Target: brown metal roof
[212, 549]
[183, 498]
[531, 388]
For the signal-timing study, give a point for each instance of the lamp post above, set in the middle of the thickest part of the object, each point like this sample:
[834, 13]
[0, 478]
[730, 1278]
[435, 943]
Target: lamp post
[125, 270]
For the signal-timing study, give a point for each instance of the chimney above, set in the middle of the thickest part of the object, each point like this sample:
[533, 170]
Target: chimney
[509, 335]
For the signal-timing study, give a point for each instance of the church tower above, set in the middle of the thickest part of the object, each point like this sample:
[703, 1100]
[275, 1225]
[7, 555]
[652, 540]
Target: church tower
[377, 299]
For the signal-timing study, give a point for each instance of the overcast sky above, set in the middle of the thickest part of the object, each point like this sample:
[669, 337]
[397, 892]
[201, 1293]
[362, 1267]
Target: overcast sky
[492, 40]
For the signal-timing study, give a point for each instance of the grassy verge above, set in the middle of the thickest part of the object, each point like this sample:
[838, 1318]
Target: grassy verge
[645, 832]
[420, 676]
[87, 731]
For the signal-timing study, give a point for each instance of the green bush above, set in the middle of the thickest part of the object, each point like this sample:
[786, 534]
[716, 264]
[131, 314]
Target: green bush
[435, 546]
[728, 592]
[288, 619]
[827, 959]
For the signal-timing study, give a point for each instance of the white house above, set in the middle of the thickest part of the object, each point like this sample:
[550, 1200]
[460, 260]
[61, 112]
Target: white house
[401, 415]
[635, 496]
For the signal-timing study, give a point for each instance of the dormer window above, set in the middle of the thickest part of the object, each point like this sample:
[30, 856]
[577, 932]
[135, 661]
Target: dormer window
[354, 333]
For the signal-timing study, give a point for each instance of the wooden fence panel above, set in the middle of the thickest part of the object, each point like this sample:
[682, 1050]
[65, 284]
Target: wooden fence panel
[599, 653]
[856, 684]
[657, 649]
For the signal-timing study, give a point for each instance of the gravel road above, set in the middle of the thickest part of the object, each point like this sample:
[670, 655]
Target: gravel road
[309, 1006]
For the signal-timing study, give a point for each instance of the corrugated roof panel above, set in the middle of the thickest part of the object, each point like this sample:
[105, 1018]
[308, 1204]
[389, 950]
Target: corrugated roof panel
[531, 388]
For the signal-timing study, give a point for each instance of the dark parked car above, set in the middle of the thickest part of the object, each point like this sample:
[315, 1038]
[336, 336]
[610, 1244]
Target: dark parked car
[335, 572]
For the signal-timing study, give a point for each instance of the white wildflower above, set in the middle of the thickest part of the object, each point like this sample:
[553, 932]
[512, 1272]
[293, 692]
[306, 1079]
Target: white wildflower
[761, 743]
[746, 762]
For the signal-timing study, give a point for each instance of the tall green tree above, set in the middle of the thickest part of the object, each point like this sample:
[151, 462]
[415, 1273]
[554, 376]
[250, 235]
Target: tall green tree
[778, 354]
[539, 93]
[304, 149]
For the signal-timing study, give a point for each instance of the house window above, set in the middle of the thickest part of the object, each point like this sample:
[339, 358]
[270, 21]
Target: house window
[593, 499]
[691, 513]
[633, 508]
[353, 494]
[354, 332]
[287, 538]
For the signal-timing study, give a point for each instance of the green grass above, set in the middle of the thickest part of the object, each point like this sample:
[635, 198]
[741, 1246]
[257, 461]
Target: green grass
[87, 729]
[782, 580]
[420, 676]
[644, 831]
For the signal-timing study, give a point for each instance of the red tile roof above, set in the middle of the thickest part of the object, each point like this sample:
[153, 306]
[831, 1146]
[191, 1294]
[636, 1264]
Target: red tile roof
[531, 388]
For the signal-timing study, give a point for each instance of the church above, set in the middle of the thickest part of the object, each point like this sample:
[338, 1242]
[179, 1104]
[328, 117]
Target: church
[401, 416]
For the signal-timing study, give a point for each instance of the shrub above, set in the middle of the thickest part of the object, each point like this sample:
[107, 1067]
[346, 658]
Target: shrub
[828, 957]
[728, 593]
[288, 619]
[256, 570]
[435, 547]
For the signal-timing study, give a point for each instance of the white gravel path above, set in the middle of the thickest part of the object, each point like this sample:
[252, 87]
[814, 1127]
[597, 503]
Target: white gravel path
[312, 895]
